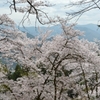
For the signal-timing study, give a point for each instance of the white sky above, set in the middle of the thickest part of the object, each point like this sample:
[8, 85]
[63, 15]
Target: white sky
[89, 17]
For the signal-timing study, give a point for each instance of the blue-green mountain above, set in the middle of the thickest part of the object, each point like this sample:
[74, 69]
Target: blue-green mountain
[91, 31]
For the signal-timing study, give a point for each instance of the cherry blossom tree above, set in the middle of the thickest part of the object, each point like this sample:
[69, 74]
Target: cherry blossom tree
[79, 7]
[65, 67]
[32, 7]
[38, 9]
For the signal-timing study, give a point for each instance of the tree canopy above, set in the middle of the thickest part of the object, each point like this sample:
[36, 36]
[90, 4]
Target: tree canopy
[62, 68]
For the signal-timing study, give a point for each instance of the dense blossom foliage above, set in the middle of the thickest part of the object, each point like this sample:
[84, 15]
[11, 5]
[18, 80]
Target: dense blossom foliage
[63, 67]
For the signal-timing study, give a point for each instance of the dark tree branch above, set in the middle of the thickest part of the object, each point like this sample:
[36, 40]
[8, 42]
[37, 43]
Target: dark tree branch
[14, 3]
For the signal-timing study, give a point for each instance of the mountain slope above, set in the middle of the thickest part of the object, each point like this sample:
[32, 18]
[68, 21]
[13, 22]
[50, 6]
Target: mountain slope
[91, 31]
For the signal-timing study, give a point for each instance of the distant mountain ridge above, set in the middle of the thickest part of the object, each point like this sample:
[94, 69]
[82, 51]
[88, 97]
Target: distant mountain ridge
[91, 31]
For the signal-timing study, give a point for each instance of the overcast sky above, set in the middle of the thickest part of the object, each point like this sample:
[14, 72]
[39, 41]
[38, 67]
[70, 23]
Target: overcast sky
[92, 16]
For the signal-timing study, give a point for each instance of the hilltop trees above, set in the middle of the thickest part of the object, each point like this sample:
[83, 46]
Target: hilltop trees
[65, 67]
